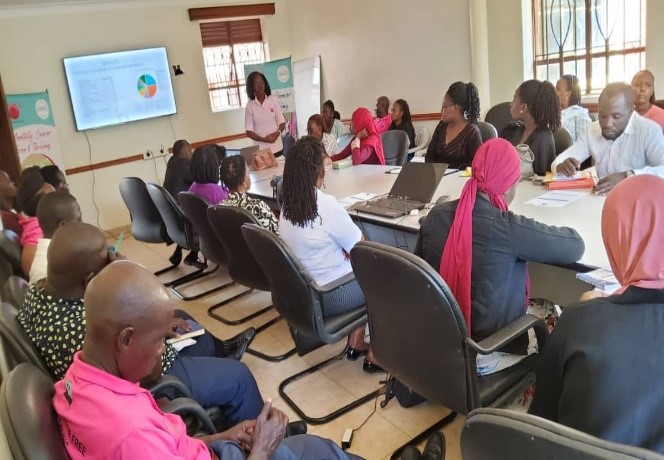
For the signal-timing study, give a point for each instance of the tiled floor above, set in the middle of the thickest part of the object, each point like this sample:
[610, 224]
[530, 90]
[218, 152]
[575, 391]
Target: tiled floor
[387, 429]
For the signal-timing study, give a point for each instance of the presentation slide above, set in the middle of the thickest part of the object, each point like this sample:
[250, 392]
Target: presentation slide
[108, 89]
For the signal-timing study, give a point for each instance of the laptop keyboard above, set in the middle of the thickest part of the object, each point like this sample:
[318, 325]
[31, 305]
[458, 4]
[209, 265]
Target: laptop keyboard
[398, 204]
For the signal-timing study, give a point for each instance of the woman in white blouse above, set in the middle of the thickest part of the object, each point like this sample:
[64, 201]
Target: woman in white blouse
[574, 118]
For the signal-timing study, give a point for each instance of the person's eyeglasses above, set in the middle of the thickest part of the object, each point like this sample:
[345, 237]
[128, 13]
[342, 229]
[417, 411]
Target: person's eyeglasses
[446, 106]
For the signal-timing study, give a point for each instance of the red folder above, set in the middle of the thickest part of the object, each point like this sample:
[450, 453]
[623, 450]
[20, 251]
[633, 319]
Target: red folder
[586, 182]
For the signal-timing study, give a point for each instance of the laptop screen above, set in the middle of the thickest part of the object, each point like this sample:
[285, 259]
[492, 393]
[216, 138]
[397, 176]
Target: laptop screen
[246, 152]
[418, 181]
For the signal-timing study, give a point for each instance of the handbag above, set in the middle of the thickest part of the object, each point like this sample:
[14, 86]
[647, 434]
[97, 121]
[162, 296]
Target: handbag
[527, 158]
[263, 159]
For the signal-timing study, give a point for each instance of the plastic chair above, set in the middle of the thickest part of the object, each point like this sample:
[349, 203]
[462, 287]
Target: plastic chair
[226, 222]
[28, 418]
[181, 232]
[487, 130]
[10, 248]
[395, 147]
[299, 299]
[434, 356]
[17, 346]
[422, 138]
[499, 116]
[504, 435]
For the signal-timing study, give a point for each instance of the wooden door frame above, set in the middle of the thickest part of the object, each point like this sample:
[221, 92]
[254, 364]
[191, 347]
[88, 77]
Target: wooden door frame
[9, 160]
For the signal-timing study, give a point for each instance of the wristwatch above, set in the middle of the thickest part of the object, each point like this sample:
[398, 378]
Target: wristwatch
[630, 173]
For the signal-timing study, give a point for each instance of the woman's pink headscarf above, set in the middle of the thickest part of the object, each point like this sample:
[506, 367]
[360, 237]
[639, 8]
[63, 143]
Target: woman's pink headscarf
[362, 119]
[633, 232]
[496, 168]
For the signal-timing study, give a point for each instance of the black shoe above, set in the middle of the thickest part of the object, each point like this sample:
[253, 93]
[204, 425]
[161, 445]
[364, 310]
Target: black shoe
[234, 348]
[352, 354]
[371, 368]
[176, 258]
[434, 449]
[192, 259]
[410, 453]
[295, 428]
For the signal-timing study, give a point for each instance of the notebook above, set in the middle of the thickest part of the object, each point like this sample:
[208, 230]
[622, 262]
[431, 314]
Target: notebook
[196, 330]
[601, 278]
[413, 189]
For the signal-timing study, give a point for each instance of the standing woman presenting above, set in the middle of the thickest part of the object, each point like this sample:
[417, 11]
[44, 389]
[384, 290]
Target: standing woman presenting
[263, 120]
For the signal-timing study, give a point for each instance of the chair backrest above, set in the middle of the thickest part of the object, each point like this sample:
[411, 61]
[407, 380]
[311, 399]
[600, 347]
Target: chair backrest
[195, 208]
[288, 142]
[14, 290]
[178, 226]
[487, 130]
[292, 294]
[408, 300]
[503, 434]
[499, 116]
[395, 147]
[343, 140]
[28, 417]
[422, 138]
[562, 140]
[146, 222]
[10, 247]
[17, 345]
[226, 222]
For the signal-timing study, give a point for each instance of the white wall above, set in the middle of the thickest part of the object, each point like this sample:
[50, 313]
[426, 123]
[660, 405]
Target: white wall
[36, 39]
[412, 50]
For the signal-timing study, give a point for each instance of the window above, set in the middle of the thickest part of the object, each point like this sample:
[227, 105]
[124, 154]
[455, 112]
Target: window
[599, 41]
[227, 47]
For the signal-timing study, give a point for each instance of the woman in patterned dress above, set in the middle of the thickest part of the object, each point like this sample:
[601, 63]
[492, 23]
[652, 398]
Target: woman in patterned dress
[235, 176]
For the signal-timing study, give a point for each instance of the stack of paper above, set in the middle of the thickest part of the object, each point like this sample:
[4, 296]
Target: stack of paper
[357, 198]
[602, 278]
[580, 180]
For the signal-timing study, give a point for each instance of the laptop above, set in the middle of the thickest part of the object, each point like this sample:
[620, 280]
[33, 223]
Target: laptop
[413, 189]
[246, 152]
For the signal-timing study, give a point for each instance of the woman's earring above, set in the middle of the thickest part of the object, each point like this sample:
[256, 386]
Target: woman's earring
[465, 114]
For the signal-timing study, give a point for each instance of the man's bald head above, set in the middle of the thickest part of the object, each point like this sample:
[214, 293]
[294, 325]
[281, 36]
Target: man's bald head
[128, 313]
[615, 107]
[77, 252]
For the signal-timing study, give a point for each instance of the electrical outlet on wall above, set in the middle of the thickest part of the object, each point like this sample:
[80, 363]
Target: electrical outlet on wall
[161, 151]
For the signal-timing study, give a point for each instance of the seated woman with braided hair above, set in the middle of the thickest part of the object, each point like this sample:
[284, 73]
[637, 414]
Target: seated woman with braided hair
[235, 176]
[321, 234]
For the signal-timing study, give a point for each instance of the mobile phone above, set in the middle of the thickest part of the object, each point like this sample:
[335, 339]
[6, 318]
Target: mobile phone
[116, 248]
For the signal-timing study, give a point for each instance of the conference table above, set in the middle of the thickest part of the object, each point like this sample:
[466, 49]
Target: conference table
[557, 283]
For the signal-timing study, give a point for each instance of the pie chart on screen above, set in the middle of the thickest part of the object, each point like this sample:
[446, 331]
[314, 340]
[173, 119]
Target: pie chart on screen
[147, 86]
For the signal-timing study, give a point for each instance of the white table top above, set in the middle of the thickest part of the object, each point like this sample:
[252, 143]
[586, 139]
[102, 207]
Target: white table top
[583, 215]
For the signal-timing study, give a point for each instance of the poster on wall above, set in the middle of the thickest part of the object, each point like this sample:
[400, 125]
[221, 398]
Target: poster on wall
[34, 129]
[279, 75]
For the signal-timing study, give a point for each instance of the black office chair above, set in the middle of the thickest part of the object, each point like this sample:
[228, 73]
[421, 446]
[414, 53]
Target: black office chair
[395, 147]
[10, 250]
[562, 140]
[181, 231]
[504, 435]
[299, 299]
[487, 130]
[17, 346]
[288, 142]
[14, 291]
[226, 222]
[146, 222]
[27, 415]
[499, 116]
[434, 356]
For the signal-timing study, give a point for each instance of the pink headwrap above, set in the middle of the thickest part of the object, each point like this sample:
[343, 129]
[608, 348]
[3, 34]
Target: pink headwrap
[633, 232]
[496, 168]
[362, 119]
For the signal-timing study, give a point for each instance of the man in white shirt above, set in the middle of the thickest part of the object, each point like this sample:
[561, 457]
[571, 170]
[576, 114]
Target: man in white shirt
[622, 142]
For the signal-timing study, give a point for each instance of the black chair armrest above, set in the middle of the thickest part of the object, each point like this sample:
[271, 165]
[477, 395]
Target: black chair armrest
[187, 406]
[336, 284]
[510, 332]
[169, 382]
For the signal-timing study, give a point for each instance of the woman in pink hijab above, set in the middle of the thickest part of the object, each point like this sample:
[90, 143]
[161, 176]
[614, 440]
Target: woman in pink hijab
[366, 147]
[602, 369]
[481, 248]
